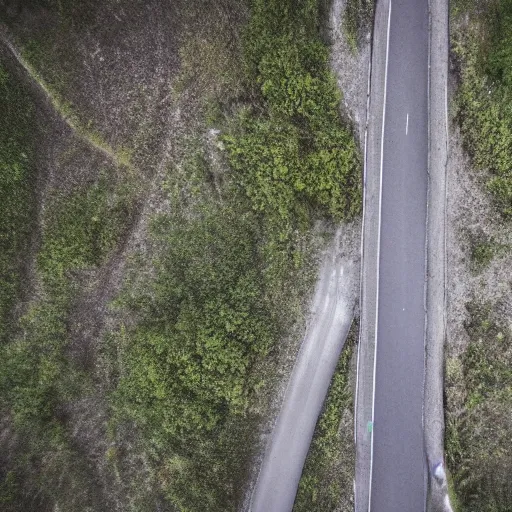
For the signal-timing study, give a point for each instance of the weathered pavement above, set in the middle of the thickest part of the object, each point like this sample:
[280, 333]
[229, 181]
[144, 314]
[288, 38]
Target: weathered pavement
[398, 470]
[390, 458]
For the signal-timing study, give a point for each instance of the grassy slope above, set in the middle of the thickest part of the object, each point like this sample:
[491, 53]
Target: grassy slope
[478, 436]
[16, 190]
[224, 272]
[183, 367]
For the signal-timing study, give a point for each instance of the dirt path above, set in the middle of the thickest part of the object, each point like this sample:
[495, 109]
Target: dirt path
[331, 316]
[43, 89]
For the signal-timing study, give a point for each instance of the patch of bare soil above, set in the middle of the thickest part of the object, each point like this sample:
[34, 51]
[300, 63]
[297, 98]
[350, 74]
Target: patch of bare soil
[350, 66]
[113, 64]
[471, 215]
[471, 218]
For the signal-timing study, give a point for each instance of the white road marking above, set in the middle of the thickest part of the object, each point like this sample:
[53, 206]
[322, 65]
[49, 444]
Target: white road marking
[407, 125]
[378, 251]
[362, 246]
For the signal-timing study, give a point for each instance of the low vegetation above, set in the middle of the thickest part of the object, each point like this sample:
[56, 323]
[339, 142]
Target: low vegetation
[37, 377]
[478, 437]
[484, 54]
[208, 321]
[478, 380]
[484, 249]
[179, 377]
[16, 192]
[357, 20]
[289, 149]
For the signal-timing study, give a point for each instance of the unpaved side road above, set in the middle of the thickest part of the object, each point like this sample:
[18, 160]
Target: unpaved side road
[331, 317]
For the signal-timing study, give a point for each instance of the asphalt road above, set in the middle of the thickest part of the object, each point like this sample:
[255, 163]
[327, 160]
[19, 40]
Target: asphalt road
[398, 472]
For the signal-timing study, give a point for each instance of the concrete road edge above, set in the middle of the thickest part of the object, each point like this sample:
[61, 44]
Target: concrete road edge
[436, 258]
[369, 261]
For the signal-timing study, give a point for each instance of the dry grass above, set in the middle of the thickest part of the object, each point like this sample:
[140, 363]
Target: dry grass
[478, 356]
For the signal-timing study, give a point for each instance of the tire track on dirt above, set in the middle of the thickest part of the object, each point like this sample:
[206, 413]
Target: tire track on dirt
[43, 89]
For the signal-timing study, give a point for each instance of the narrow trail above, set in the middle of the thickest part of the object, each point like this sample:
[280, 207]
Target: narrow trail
[79, 131]
[331, 316]
[93, 305]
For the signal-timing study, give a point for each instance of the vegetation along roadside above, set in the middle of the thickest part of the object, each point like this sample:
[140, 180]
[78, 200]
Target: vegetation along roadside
[168, 281]
[478, 384]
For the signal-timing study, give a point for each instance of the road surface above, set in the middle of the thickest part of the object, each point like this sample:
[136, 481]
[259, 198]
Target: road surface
[398, 472]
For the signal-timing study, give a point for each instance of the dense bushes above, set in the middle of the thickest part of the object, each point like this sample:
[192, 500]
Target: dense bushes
[203, 324]
[485, 100]
[186, 378]
[290, 150]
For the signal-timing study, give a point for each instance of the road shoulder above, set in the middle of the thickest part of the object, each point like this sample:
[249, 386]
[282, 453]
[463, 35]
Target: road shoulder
[369, 259]
[436, 257]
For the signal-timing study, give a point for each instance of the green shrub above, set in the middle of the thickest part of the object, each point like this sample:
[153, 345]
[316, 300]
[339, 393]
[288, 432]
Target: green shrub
[484, 101]
[84, 228]
[478, 445]
[500, 49]
[205, 324]
[290, 151]
[186, 374]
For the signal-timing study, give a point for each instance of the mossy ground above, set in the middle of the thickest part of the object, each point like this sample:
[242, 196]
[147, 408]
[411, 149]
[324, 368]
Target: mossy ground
[170, 258]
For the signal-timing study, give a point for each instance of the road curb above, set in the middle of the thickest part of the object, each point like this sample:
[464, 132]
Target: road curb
[369, 262]
[433, 413]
